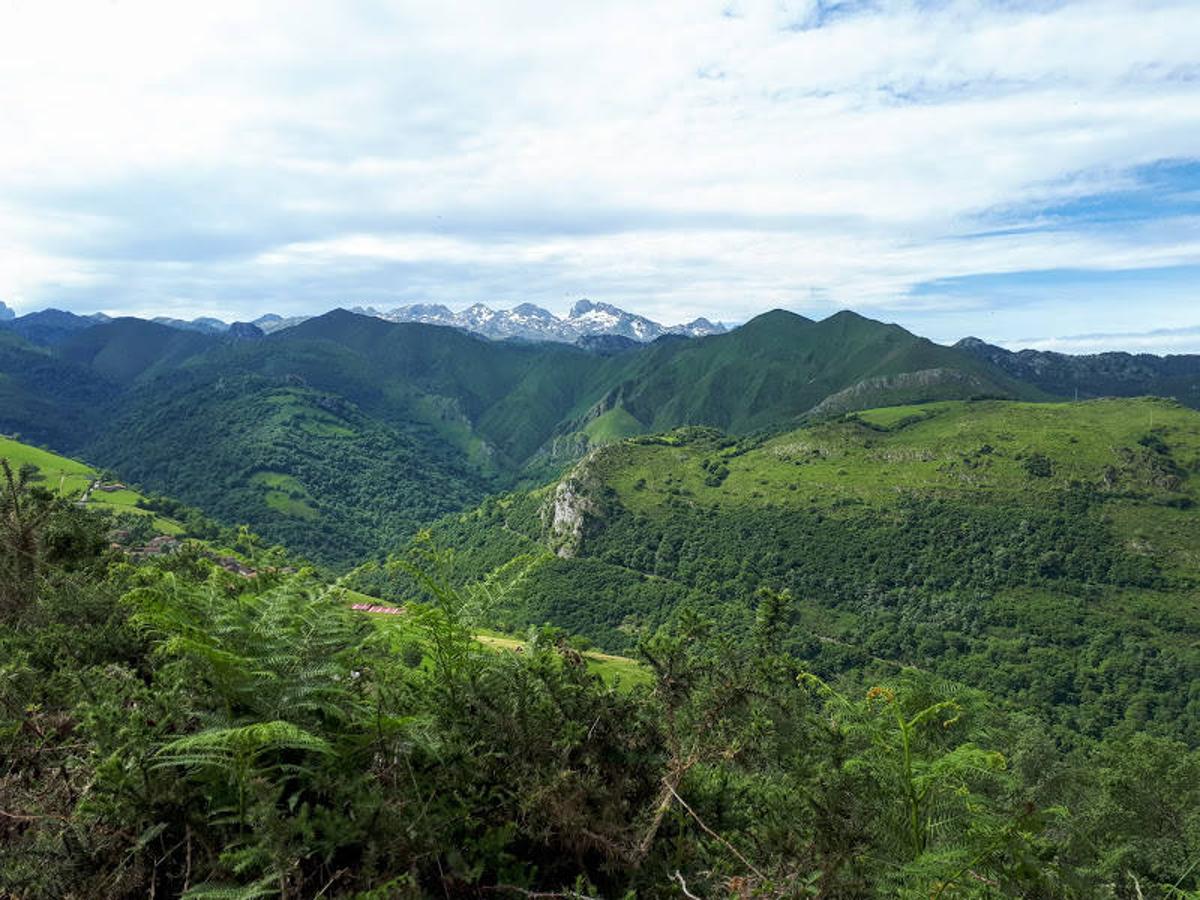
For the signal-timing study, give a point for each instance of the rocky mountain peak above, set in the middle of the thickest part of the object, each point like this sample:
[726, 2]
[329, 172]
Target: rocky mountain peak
[525, 321]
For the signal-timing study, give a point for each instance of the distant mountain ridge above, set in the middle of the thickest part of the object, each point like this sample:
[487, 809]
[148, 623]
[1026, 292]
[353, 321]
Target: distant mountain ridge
[527, 321]
[1112, 374]
[48, 327]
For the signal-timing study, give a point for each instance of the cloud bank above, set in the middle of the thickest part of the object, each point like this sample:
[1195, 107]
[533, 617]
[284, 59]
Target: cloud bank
[1011, 169]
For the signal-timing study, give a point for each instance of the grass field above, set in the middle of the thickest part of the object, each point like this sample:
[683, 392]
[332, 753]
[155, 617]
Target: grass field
[941, 447]
[67, 477]
[70, 478]
[294, 413]
[285, 494]
[615, 670]
[613, 425]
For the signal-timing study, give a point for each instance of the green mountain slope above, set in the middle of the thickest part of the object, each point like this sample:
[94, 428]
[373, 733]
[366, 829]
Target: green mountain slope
[437, 416]
[509, 395]
[127, 350]
[1036, 550]
[47, 399]
[780, 366]
[304, 468]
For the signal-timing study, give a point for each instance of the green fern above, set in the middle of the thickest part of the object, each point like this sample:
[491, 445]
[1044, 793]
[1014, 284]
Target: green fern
[267, 886]
[248, 741]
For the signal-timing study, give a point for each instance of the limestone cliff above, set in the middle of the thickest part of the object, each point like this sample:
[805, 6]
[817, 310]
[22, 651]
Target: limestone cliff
[576, 510]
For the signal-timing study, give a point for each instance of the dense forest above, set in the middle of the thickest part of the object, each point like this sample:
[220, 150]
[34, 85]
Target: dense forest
[222, 736]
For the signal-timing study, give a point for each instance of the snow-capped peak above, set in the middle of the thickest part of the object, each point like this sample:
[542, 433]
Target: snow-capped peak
[528, 321]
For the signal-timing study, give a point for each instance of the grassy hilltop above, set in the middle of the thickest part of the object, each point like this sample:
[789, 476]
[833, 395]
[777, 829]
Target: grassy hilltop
[1036, 550]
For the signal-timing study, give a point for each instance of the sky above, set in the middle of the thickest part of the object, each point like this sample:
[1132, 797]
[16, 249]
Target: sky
[1026, 172]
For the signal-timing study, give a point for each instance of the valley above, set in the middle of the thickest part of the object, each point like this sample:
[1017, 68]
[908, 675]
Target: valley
[631, 568]
[600, 451]
[425, 419]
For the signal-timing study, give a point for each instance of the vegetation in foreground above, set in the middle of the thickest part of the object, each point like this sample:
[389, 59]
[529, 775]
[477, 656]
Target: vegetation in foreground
[217, 736]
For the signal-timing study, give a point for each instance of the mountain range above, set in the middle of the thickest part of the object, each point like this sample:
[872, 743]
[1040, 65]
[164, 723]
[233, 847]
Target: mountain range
[1096, 374]
[367, 427]
[523, 322]
[530, 322]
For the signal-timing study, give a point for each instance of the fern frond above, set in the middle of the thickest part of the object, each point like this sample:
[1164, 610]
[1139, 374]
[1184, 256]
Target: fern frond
[267, 886]
[215, 745]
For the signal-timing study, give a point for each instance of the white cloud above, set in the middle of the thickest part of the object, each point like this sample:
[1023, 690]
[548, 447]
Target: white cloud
[661, 154]
[1158, 341]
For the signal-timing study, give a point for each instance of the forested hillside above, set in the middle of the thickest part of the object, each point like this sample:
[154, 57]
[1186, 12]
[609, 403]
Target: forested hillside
[172, 729]
[1047, 553]
[341, 434]
[305, 468]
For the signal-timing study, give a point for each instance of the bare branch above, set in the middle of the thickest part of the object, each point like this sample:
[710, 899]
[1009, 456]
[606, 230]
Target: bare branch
[732, 849]
[678, 876]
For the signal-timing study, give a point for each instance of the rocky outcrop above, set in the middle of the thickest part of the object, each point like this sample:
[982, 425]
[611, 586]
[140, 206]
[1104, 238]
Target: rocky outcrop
[907, 387]
[575, 511]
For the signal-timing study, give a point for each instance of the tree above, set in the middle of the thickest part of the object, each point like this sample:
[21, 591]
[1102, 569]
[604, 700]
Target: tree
[22, 519]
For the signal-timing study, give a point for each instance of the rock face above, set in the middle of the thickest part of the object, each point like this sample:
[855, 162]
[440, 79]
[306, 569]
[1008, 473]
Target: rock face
[6, 314]
[204, 325]
[575, 511]
[275, 322]
[908, 387]
[563, 448]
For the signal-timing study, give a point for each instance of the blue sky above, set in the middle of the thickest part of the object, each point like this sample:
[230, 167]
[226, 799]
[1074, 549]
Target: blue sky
[1028, 172]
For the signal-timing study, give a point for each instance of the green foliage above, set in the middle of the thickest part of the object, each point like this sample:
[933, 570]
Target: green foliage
[300, 467]
[915, 537]
[218, 737]
[1039, 466]
[808, 607]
